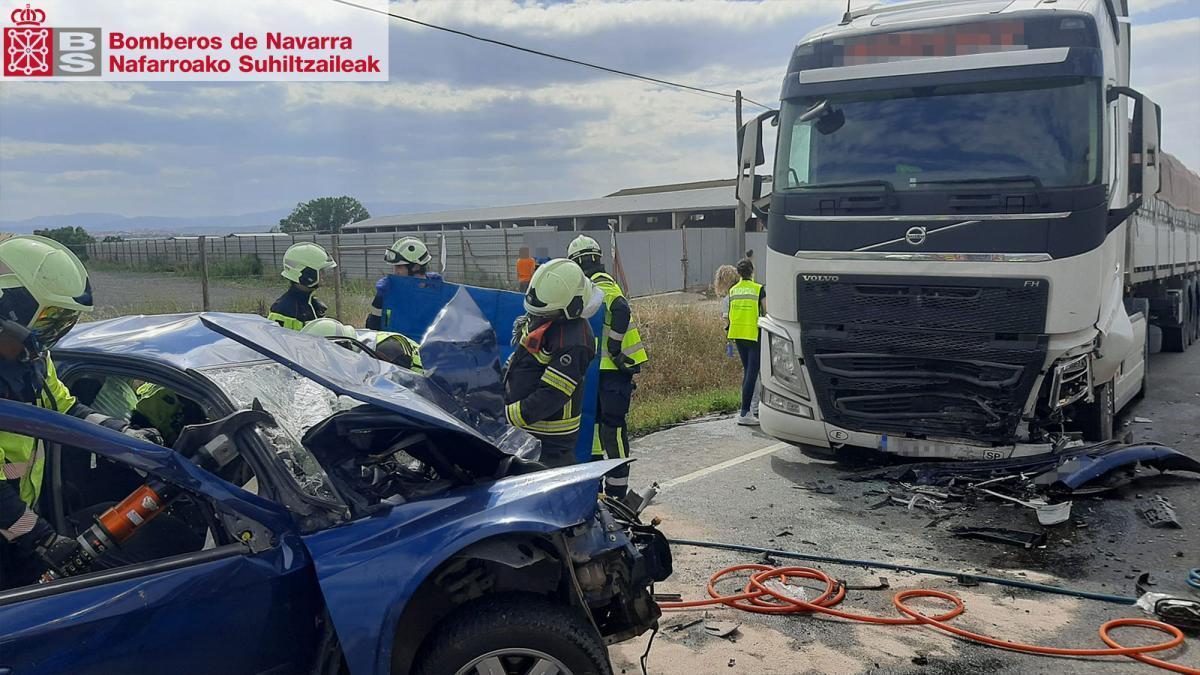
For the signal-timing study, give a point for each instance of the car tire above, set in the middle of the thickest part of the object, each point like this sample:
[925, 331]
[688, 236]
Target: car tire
[1095, 420]
[514, 632]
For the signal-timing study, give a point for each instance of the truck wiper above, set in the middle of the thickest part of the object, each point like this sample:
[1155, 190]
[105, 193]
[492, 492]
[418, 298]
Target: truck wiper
[886, 185]
[1037, 182]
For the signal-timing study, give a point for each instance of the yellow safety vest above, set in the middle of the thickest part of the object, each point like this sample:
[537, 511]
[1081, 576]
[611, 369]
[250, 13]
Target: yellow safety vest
[23, 457]
[743, 310]
[414, 349]
[631, 341]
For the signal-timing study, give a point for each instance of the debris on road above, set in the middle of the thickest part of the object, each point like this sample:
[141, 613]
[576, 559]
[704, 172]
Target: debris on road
[722, 629]
[685, 625]
[882, 585]
[1142, 420]
[1047, 514]
[1002, 536]
[1159, 512]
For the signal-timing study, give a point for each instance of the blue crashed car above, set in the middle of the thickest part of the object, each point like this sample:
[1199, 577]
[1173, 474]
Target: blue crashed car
[347, 519]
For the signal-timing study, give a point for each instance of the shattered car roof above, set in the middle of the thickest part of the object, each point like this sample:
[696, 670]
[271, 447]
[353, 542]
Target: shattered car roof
[199, 340]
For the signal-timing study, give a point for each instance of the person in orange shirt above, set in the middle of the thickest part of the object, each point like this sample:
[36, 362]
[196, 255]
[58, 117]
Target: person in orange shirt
[525, 267]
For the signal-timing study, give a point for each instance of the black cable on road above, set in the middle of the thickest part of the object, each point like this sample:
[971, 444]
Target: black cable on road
[981, 578]
[566, 59]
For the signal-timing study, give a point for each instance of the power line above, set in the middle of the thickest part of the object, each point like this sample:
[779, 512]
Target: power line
[557, 57]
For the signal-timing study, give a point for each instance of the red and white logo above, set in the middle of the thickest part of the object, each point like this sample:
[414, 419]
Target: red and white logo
[28, 48]
[34, 50]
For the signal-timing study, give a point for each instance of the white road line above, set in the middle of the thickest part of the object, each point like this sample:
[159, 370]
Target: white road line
[700, 473]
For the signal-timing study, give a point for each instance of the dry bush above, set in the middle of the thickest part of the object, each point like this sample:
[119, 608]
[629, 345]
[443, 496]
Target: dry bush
[689, 373]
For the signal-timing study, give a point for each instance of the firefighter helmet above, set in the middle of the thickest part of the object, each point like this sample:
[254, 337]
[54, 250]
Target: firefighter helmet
[583, 246]
[304, 262]
[558, 286]
[43, 286]
[408, 251]
[328, 328]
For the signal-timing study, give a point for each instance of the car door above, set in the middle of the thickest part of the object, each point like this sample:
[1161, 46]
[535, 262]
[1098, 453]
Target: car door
[249, 606]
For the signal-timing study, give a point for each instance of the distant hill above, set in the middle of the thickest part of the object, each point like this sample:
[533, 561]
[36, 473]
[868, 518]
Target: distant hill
[100, 224]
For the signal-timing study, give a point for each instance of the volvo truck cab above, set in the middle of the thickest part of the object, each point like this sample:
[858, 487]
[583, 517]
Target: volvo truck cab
[947, 229]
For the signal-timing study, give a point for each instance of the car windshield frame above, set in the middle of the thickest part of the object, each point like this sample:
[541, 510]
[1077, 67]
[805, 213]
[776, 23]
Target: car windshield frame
[973, 134]
[243, 383]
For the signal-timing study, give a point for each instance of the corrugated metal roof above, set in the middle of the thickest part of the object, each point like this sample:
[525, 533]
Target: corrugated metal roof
[682, 200]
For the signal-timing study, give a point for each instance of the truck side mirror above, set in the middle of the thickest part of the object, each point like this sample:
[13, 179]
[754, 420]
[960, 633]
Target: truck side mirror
[1145, 159]
[751, 156]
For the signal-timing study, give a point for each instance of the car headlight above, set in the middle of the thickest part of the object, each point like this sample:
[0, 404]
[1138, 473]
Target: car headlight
[784, 404]
[785, 367]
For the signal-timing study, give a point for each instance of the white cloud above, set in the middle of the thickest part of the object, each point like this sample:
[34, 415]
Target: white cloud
[11, 148]
[1144, 6]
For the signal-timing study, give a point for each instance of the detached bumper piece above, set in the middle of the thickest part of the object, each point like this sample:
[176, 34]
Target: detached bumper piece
[944, 357]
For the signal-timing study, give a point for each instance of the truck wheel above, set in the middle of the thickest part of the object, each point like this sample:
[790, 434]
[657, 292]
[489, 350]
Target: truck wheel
[514, 634]
[1095, 419]
[1177, 338]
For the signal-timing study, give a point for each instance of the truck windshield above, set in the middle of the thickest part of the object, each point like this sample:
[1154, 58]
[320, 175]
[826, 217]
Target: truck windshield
[1046, 132]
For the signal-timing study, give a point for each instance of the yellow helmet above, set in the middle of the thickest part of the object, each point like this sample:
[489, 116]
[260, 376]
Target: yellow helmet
[558, 286]
[408, 251]
[304, 262]
[43, 286]
[328, 328]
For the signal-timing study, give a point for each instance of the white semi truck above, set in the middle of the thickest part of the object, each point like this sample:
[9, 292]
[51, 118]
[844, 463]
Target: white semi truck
[969, 252]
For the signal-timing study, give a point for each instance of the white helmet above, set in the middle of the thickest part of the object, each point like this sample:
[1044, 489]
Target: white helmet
[304, 262]
[408, 251]
[43, 286]
[558, 286]
[583, 246]
[328, 328]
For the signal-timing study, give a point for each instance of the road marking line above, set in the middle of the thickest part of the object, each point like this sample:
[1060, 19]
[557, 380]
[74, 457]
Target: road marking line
[700, 473]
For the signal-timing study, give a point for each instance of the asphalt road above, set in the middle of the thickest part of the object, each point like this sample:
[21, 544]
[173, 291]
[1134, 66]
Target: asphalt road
[734, 484]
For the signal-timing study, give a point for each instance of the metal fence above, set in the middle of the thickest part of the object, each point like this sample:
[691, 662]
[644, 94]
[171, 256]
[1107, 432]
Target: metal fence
[477, 257]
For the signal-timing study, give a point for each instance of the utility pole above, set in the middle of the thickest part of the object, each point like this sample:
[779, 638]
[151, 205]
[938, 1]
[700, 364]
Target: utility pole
[739, 214]
[335, 243]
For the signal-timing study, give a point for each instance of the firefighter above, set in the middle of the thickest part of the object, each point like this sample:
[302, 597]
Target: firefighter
[621, 357]
[391, 347]
[747, 302]
[543, 382]
[43, 291]
[410, 258]
[303, 264]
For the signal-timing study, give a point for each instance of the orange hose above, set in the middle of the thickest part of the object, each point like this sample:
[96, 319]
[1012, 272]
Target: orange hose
[756, 597]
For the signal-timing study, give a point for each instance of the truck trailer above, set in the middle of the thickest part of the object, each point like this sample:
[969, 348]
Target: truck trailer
[975, 240]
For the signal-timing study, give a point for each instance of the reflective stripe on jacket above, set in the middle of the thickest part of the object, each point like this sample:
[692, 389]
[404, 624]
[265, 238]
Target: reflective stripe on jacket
[631, 339]
[743, 310]
[22, 457]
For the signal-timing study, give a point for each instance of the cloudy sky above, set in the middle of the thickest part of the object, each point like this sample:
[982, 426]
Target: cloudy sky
[466, 123]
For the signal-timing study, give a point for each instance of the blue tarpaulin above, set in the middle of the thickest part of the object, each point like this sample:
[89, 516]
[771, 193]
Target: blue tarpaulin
[410, 306]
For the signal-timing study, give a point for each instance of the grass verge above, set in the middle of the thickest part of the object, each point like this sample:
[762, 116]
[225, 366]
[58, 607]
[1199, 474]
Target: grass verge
[689, 374]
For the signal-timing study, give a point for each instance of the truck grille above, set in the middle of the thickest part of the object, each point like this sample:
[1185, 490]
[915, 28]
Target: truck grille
[945, 357]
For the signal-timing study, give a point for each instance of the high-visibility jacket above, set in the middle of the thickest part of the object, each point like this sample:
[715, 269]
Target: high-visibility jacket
[295, 308]
[525, 268]
[543, 383]
[743, 310]
[409, 355]
[24, 458]
[621, 328]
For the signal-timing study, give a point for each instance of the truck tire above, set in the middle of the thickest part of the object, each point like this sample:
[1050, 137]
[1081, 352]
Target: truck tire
[1095, 420]
[1177, 338]
[514, 633]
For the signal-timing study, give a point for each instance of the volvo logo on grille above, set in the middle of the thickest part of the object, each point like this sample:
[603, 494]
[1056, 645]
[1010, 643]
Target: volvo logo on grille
[915, 236]
[819, 277]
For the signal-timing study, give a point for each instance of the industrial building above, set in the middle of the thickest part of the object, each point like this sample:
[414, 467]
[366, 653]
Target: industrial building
[706, 204]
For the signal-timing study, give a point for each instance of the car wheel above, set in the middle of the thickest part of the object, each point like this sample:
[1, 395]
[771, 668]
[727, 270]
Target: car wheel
[514, 635]
[1095, 419]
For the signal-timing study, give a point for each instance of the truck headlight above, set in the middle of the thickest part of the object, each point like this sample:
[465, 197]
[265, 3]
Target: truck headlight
[785, 367]
[784, 404]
